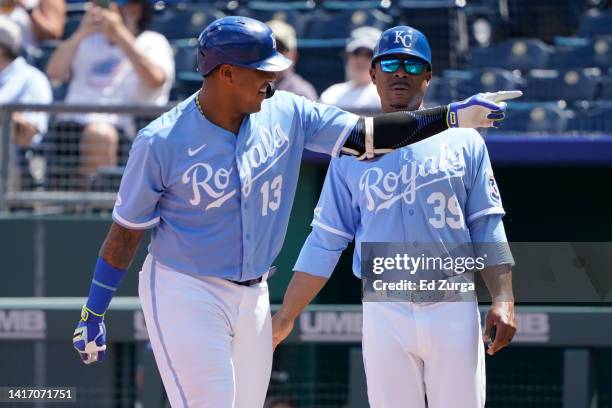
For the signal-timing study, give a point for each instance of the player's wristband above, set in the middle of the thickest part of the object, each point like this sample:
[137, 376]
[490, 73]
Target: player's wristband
[105, 282]
[452, 118]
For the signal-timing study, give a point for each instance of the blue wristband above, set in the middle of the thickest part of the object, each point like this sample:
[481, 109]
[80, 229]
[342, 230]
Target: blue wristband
[452, 119]
[105, 282]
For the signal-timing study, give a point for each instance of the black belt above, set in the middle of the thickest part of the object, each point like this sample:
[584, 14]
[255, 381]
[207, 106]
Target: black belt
[255, 281]
[249, 282]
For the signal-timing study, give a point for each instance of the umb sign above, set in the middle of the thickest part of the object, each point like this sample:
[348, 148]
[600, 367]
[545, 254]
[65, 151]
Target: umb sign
[22, 324]
[532, 328]
[330, 326]
[346, 326]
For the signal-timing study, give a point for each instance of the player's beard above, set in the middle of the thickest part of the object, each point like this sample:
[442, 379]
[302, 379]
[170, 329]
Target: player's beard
[413, 104]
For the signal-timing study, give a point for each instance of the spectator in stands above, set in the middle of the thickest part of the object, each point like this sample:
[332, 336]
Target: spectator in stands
[358, 93]
[21, 83]
[110, 59]
[286, 44]
[37, 19]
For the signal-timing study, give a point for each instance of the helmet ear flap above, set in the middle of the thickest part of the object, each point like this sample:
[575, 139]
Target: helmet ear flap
[200, 61]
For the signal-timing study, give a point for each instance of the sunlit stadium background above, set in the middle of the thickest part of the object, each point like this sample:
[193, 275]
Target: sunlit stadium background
[552, 158]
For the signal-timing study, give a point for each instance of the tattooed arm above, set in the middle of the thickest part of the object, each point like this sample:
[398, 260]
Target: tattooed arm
[120, 246]
[115, 257]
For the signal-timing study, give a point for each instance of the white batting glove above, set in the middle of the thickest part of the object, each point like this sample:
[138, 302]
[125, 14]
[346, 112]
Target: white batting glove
[482, 110]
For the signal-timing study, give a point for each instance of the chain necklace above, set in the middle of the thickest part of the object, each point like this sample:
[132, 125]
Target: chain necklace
[197, 100]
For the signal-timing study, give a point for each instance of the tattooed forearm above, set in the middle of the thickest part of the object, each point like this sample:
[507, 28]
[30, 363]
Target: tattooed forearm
[120, 246]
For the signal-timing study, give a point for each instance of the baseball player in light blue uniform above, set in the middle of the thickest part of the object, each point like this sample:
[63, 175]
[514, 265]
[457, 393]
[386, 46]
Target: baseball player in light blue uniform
[215, 179]
[425, 351]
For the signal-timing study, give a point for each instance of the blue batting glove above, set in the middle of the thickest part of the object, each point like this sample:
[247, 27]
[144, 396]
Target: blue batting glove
[482, 110]
[89, 338]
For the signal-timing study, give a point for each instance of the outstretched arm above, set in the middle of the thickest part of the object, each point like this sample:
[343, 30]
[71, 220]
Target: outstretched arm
[387, 132]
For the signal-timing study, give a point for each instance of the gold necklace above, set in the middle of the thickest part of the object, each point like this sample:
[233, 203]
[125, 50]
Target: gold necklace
[197, 98]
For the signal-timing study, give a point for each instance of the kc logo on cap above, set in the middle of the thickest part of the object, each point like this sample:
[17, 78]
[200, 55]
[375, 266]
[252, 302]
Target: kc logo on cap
[404, 37]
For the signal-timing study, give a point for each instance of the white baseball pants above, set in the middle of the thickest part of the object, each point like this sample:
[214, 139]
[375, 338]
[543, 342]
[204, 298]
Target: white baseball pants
[212, 339]
[413, 352]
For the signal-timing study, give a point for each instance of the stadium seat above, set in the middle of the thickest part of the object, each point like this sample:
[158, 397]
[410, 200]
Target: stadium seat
[59, 89]
[184, 21]
[570, 85]
[528, 117]
[339, 23]
[602, 52]
[460, 84]
[39, 57]
[185, 55]
[187, 79]
[468, 83]
[444, 24]
[483, 20]
[522, 54]
[294, 13]
[543, 19]
[593, 117]
[585, 53]
[185, 85]
[72, 23]
[595, 22]
[353, 4]
[441, 90]
[321, 62]
[606, 88]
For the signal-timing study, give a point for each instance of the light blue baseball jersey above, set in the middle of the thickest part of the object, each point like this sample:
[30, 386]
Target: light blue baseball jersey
[428, 192]
[219, 203]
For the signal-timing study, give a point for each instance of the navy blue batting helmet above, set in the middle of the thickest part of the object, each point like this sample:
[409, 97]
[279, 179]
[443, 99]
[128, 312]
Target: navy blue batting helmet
[403, 40]
[239, 41]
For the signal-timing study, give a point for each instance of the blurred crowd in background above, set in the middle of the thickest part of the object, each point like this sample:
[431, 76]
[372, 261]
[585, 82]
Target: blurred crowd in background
[140, 52]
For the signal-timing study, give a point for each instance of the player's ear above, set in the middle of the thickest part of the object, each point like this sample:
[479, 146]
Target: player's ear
[373, 75]
[226, 72]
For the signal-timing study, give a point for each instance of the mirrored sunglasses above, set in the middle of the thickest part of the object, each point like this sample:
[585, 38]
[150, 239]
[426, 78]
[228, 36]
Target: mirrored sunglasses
[412, 67]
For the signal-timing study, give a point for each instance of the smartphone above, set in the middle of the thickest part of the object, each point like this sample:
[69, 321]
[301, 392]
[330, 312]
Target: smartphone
[102, 3]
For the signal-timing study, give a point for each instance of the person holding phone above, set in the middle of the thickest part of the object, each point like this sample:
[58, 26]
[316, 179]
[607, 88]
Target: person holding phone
[110, 59]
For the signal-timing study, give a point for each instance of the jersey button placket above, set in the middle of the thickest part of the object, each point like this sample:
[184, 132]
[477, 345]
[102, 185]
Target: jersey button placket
[401, 188]
[246, 231]
[244, 206]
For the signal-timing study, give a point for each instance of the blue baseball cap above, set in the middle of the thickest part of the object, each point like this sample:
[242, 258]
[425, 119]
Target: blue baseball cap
[403, 40]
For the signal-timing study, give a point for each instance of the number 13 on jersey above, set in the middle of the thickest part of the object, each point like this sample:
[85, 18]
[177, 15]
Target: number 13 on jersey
[271, 195]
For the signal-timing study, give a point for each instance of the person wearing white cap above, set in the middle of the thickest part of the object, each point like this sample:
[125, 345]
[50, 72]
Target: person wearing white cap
[21, 83]
[358, 93]
[288, 80]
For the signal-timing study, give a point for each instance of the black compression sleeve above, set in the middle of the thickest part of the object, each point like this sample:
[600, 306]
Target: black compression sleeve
[398, 129]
